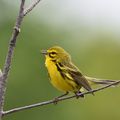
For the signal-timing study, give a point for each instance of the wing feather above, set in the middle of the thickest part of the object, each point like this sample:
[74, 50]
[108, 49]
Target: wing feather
[71, 72]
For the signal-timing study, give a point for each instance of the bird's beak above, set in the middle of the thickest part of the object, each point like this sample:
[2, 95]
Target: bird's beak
[44, 52]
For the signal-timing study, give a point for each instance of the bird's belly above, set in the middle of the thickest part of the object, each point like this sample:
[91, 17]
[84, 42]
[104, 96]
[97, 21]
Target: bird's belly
[61, 83]
[58, 81]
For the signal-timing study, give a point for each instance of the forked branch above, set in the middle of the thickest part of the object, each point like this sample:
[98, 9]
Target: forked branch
[28, 9]
[12, 43]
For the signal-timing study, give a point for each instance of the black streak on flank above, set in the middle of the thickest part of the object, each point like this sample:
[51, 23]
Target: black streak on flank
[62, 74]
[59, 69]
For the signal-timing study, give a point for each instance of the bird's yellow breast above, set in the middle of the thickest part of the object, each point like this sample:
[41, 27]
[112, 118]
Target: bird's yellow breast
[57, 80]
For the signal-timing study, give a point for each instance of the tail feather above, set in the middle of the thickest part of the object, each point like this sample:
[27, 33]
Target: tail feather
[101, 81]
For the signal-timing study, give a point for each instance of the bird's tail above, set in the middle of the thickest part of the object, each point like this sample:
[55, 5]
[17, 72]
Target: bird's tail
[94, 81]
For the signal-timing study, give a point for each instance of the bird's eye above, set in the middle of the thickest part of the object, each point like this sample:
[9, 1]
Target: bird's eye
[52, 54]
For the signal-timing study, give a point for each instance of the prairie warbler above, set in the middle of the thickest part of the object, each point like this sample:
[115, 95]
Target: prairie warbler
[64, 75]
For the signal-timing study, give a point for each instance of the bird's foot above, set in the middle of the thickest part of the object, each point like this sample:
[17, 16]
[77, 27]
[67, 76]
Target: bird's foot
[55, 100]
[78, 94]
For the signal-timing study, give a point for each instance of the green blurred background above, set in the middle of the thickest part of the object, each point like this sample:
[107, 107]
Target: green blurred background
[90, 37]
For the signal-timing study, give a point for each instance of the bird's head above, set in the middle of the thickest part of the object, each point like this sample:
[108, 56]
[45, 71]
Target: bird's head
[56, 53]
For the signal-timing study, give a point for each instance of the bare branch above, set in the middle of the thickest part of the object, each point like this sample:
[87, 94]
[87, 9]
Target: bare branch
[27, 10]
[12, 43]
[59, 99]
[1, 97]
[9, 56]
[0, 73]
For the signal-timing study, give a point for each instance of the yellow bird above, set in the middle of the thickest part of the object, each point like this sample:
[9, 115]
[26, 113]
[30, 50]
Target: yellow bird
[64, 75]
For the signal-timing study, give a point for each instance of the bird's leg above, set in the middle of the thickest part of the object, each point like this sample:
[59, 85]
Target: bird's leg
[57, 98]
[77, 94]
[63, 95]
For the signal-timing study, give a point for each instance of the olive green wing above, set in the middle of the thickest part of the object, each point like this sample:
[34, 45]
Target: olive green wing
[72, 73]
[80, 79]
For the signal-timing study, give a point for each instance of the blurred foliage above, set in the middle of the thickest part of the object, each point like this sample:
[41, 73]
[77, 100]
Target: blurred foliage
[97, 55]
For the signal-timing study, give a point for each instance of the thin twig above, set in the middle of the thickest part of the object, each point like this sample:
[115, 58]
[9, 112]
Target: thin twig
[59, 99]
[10, 55]
[27, 10]
[12, 43]
[1, 112]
